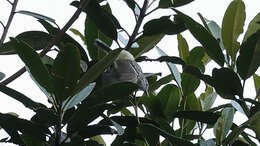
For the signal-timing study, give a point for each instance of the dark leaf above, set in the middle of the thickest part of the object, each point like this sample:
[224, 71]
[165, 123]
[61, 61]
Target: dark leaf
[209, 43]
[247, 61]
[130, 3]
[36, 15]
[155, 130]
[26, 101]
[165, 4]
[36, 39]
[46, 117]
[200, 116]
[66, 71]
[253, 27]
[178, 3]
[163, 25]
[195, 58]
[33, 61]
[160, 82]
[227, 83]
[189, 83]
[101, 18]
[93, 73]
[94, 130]
[182, 47]
[31, 141]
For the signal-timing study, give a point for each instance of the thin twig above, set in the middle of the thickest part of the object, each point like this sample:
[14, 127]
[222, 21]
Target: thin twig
[53, 42]
[9, 2]
[2, 24]
[6, 28]
[138, 24]
[152, 11]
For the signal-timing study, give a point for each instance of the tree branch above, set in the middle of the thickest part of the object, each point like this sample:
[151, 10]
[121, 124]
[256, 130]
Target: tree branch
[54, 40]
[138, 24]
[6, 28]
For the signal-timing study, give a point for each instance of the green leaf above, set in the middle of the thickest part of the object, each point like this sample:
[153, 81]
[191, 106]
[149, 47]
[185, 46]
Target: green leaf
[160, 82]
[29, 128]
[78, 33]
[95, 130]
[232, 26]
[92, 33]
[257, 84]
[149, 128]
[178, 3]
[36, 39]
[208, 98]
[189, 83]
[33, 62]
[66, 71]
[169, 98]
[26, 101]
[97, 69]
[195, 58]
[130, 3]
[163, 25]
[247, 61]
[209, 43]
[193, 103]
[99, 139]
[182, 47]
[65, 39]
[145, 43]
[165, 4]
[36, 15]
[200, 116]
[101, 18]
[174, 70]
[253, 27]
[209, 142]
[2, 76]
[30, 141]
[79, 97]
[227, 83]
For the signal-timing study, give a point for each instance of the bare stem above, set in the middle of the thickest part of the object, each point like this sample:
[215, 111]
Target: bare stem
[138, 24]
[6, 28]
[54, 40]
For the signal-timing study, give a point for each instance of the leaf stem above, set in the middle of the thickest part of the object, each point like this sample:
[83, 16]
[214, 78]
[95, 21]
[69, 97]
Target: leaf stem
[138, 24]
[9, 2]
[53, 42]
[10, 19]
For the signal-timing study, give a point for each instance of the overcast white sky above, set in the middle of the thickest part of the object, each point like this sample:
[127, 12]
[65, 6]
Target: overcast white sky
[61, 11]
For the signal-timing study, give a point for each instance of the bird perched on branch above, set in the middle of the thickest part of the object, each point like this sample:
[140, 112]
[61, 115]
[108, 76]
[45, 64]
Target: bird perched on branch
[124, 69]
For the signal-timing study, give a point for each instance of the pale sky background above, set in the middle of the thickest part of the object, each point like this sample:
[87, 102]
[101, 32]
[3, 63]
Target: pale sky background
[61, 11]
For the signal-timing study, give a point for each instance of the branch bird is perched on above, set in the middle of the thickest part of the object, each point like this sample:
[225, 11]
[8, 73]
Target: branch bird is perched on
[124, 69]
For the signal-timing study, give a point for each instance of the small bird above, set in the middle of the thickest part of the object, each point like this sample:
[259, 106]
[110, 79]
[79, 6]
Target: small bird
[124, 69]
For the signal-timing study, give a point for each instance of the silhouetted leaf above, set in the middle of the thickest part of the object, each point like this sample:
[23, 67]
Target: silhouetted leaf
[33, 62]
[209, 43]
[26, 101]
[130, 3]
[227, 83]
[163, 25]
[232, 26]
[36, 15]
[46, 117]
[247, 61]
[94, 130]
[165, 3]
[178, 3]
[36, 39]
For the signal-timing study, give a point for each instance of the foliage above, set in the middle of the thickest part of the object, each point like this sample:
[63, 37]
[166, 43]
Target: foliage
[83, 110]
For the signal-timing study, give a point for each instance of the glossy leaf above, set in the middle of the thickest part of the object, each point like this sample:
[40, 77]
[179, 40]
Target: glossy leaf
[33, 62]
[232, 26]
[257, 84]
[145, 43]
[253, 27]
[36, 15]
[209, 43]
[96, 70]
[156, 130]
[182, 47]
[26, 101]
[36, 39]
[66, 71]
[227, 83]
[163, 25]
[178, 3]
[79, 97]
[101, 18]
[174, 70]
[2, 76]
[247, 61]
